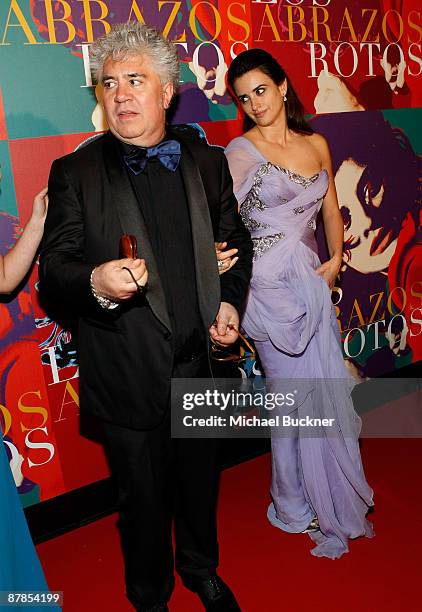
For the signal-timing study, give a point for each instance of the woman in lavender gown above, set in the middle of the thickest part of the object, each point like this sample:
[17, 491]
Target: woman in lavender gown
[282, 177]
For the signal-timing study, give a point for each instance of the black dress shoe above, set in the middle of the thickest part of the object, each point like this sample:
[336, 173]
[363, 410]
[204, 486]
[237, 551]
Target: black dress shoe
[213, 592]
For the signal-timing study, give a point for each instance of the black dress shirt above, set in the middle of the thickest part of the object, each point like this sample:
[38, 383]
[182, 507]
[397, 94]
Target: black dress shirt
[162, 199]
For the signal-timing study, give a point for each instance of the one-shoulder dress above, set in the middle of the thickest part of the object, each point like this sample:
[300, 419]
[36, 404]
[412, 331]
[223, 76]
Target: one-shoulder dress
[290, 316]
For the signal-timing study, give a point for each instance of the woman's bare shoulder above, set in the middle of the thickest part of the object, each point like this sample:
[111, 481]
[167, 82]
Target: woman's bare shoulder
[321, 147]
[318, 141]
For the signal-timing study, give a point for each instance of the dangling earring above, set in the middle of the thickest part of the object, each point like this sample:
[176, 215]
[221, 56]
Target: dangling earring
[285, 98]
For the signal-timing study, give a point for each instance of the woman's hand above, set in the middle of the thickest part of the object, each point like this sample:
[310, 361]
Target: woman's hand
[329, 270]
[225, 259]
[40, 206]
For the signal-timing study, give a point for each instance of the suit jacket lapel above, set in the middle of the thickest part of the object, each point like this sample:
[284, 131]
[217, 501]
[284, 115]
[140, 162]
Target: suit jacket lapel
[207, 279]
[132, 222]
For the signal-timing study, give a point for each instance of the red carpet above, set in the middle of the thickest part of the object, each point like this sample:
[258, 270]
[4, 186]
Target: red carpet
[268, 569]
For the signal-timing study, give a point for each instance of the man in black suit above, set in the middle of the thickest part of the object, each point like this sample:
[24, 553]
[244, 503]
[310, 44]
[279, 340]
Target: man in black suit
[143, 321]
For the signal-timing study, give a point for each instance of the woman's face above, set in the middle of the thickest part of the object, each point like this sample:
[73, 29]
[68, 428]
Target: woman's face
[358, 201]
[260, 97]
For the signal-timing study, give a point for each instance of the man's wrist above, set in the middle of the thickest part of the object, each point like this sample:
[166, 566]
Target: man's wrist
[104, 302]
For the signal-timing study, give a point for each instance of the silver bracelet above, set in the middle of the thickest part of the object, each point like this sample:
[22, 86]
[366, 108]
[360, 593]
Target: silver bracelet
[104, 302]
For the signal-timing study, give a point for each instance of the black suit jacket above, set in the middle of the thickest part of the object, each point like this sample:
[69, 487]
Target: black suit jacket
[125, 354]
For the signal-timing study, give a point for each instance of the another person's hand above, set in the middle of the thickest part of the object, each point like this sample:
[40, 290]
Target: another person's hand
[329, 271]
[40, 206]
[401, 74]
[394, 73]
[225, 329]
[215, 76]
[110, 280]
[225, 259]
[220, 79]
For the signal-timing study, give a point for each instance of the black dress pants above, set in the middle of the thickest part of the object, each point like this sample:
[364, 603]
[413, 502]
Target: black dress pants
[161, 479]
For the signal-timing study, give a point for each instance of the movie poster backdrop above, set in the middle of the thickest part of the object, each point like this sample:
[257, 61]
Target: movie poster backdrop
[357, 67]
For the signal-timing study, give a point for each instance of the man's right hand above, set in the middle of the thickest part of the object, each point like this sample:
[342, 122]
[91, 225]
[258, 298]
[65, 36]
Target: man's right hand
[110, 280]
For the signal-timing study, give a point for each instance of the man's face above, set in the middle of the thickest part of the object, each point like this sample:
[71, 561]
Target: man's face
[135, 101]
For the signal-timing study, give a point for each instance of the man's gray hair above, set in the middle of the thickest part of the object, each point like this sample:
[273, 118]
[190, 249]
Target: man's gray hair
[128, 39]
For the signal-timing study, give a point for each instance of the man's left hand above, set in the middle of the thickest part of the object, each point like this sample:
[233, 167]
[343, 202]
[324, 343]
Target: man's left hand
[225, 329]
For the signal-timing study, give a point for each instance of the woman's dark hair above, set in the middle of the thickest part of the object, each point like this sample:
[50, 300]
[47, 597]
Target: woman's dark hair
[264, 61]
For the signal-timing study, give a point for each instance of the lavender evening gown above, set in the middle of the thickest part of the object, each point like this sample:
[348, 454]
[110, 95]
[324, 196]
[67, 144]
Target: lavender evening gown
[290, 316]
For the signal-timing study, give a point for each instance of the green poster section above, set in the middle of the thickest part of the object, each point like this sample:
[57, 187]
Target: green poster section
[7, 189]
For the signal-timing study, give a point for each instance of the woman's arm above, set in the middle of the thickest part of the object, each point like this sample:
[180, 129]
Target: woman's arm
[333, 222]
[15, 264]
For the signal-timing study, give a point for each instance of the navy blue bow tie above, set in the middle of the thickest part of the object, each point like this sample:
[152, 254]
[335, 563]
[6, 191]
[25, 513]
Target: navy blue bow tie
[168, 153]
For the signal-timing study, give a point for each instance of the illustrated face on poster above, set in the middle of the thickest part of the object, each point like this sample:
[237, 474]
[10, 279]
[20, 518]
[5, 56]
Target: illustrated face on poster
[368, 247]
[377, 179]
[376, 175]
